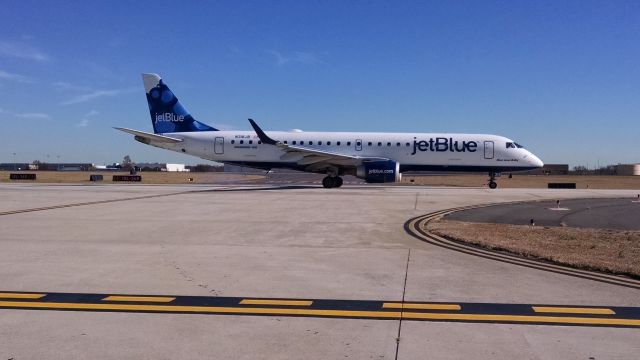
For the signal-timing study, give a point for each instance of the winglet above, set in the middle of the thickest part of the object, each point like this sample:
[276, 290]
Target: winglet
[263, 137]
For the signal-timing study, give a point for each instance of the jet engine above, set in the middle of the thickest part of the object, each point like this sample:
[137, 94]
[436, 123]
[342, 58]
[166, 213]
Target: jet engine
[379, 171]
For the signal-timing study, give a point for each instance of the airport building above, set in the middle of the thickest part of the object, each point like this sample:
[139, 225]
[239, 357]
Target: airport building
[161, 167]
[549, 169]
[46, 166]
[628, 169]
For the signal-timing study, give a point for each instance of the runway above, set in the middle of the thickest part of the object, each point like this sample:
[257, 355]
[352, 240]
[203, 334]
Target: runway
[298, 255]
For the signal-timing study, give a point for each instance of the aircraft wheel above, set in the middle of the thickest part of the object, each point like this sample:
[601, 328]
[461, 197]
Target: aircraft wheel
[328, 182]
[493, 185]
[338, 182]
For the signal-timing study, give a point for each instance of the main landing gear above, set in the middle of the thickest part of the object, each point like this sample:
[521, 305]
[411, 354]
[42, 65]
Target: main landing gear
[492, 180]
[332, 182]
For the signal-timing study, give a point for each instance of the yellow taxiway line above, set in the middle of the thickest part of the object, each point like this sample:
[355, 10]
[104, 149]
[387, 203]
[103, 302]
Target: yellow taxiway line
[201, 309]
[325, 313]
[276, 302]
[399, 305]
[573, 310]
[162, 299]
[7, 295]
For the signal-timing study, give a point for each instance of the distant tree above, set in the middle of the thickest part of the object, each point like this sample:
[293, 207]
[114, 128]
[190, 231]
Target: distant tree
[205, 168]
[580, 170]
[127, 164]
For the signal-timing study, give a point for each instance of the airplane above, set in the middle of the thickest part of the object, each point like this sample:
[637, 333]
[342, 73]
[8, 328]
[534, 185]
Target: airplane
[373, 157]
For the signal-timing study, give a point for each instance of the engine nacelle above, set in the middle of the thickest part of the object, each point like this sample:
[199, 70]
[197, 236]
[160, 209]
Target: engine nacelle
[379, 171]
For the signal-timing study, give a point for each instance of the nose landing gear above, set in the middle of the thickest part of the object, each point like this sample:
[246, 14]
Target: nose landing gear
[492, 180]
[332, 182]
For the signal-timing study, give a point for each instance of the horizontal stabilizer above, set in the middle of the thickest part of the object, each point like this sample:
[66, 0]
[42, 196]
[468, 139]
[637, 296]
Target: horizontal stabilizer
[149, 136]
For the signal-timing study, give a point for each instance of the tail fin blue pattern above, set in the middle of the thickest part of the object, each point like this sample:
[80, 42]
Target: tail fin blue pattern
[167, 114]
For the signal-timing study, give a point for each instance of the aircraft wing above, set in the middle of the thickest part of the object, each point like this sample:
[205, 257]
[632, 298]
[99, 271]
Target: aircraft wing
[313, 158]
[149, 136]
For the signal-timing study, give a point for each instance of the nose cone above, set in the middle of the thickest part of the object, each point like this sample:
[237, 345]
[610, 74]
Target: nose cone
[535, 161]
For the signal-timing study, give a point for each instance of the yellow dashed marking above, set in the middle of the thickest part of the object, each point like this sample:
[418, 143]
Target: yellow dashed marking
[276, 302]
[573, 310]
[399, 305]
[6, 295]
[140, 298]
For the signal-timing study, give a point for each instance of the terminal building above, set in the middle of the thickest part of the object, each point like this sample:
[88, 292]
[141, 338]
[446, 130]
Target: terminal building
[628, 169]
[549, 169]
[46, 166]
[161, 167]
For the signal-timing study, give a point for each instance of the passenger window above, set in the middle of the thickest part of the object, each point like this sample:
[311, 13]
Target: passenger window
[369, 143]
[259, 142]
[338, 143]
[285, 142]
[407, 144]
[349, 143]
[294, 142]
[397, 144]
[328, 142]
[310, 142]
[319, 142]
[379, 143]
[301, 142]
[388, 144]
[241, 141]
[233, 141]
[250, 141]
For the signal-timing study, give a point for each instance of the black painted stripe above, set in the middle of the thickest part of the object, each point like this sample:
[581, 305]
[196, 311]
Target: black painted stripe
[332, 308]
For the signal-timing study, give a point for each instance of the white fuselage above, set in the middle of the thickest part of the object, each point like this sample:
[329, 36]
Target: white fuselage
[414, 152]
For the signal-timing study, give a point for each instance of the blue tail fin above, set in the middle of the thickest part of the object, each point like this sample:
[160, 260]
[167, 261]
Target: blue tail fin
[167, 114]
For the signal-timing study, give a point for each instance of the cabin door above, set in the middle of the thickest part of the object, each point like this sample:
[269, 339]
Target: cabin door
[218, 146]
[488, 149]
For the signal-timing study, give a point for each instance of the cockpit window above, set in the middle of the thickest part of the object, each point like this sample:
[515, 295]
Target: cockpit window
[513, 145]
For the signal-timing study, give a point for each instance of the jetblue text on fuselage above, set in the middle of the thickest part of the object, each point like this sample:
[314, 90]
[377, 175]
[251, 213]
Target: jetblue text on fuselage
[169, 117]
[441, 144]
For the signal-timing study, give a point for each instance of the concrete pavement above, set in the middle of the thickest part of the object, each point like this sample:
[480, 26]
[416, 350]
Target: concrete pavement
[295, 242]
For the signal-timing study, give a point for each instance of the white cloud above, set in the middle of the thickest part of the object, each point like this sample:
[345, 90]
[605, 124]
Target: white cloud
[306, 57]
[300, 57]
[280, 59]
[64, 86]
[35, 116]
[13, 77]
[96, 94]
[83, 123]
[91, 113]
[22, 51]
[31, 115]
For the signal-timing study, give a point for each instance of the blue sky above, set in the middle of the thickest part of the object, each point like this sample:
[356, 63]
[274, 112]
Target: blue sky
[560, 77]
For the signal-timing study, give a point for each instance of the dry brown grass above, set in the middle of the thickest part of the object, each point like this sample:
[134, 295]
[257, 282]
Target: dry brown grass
[611, 251]
[147, 177]
[527, 181]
